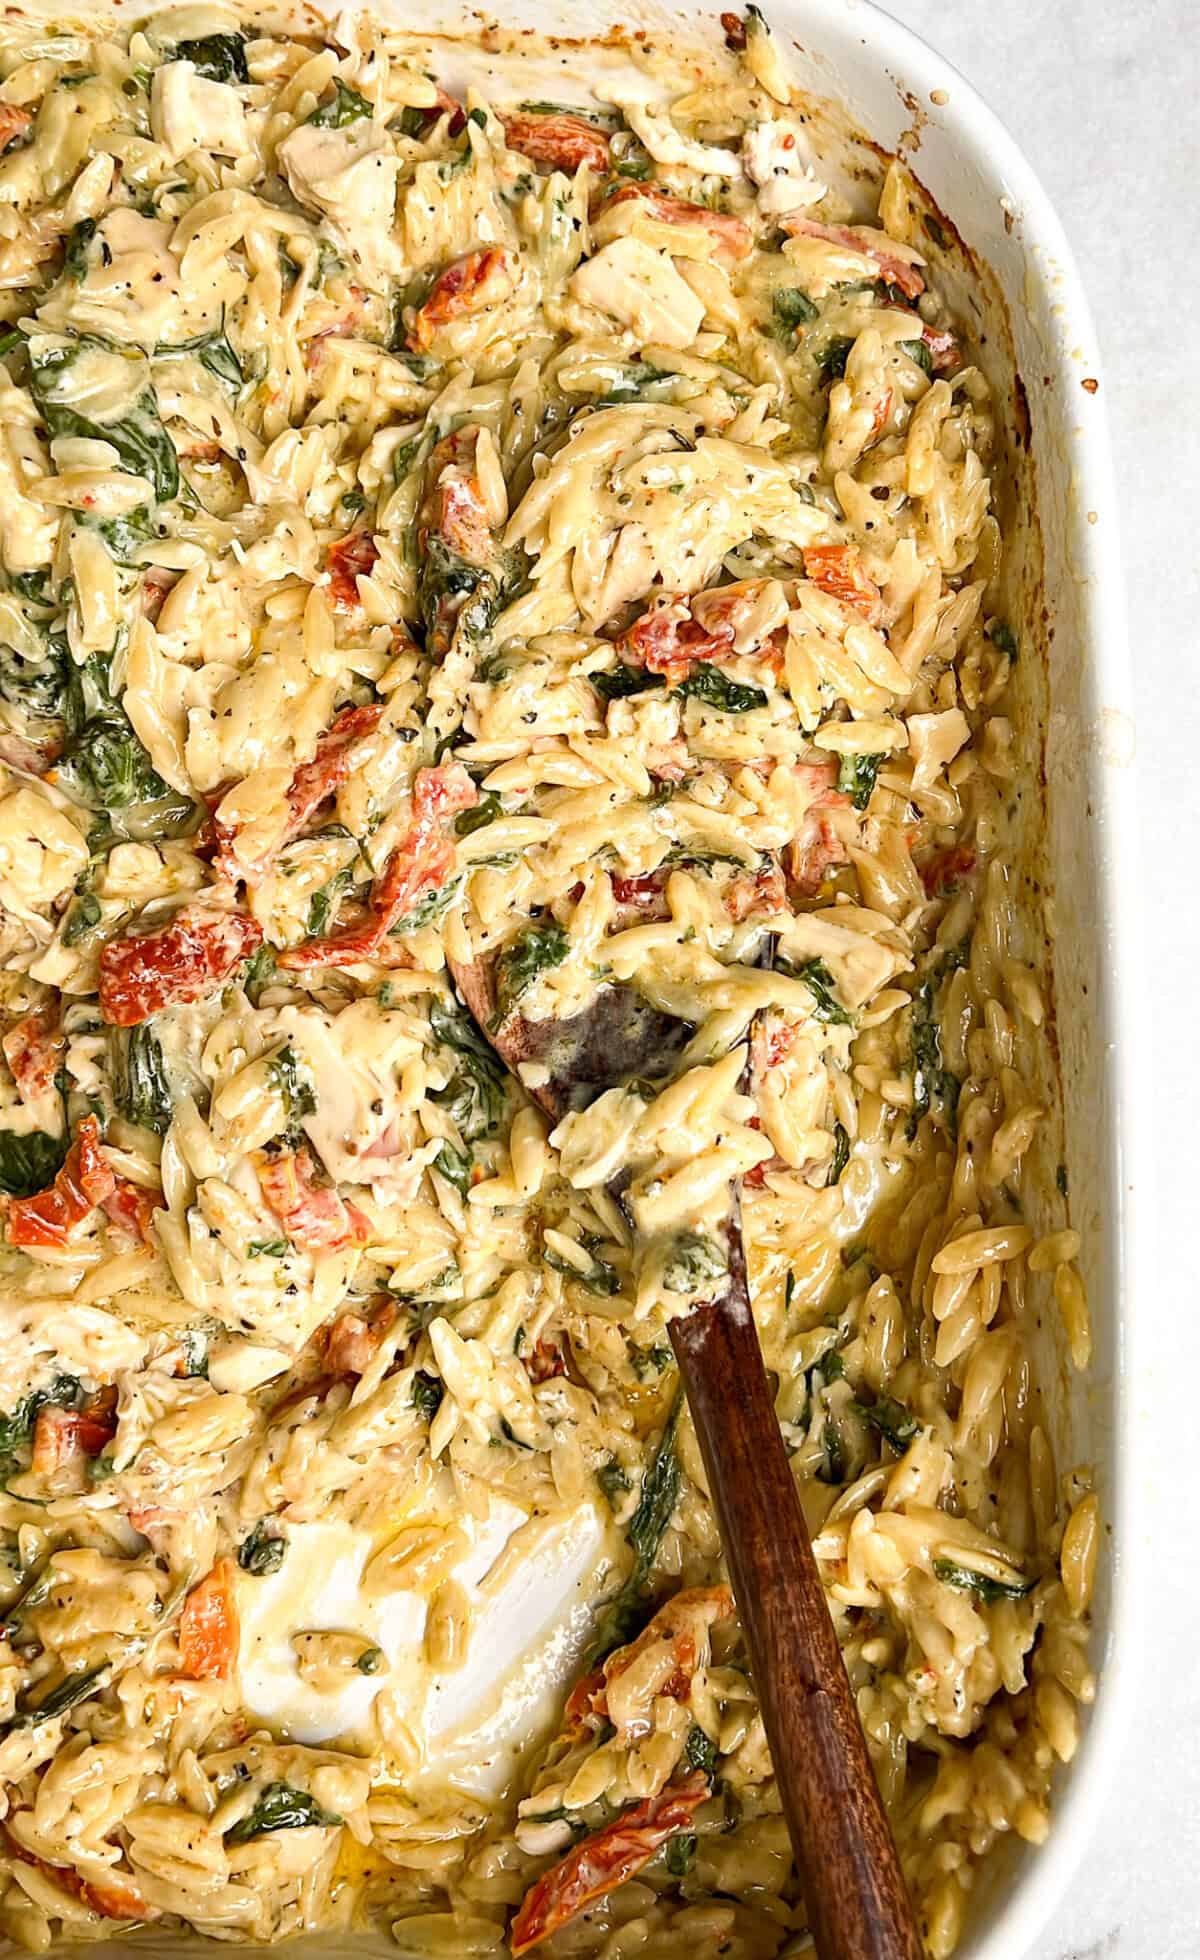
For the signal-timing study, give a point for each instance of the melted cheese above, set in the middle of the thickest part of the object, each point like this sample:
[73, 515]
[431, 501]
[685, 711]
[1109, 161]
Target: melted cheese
[531, 1584]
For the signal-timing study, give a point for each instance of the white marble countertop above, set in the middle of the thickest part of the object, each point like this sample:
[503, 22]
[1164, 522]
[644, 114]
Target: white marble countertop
[1102, 98]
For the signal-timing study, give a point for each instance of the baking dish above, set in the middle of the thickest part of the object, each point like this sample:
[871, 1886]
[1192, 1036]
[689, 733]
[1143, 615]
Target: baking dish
[865, 74]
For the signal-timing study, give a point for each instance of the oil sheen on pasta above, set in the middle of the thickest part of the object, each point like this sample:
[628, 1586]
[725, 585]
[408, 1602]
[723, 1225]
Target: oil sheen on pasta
[553, 535]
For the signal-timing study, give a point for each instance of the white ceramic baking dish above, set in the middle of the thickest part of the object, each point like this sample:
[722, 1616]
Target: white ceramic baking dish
[876, 90]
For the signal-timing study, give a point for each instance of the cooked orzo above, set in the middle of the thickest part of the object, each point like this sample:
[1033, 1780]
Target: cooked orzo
[552, 541]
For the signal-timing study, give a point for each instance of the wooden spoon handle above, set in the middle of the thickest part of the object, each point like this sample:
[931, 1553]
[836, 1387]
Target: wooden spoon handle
[858, 1904]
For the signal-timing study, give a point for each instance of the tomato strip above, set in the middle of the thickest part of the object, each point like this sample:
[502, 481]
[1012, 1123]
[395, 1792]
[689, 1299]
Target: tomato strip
[191, 956]
[605, 1860]
[208, 1627]
[419, 865]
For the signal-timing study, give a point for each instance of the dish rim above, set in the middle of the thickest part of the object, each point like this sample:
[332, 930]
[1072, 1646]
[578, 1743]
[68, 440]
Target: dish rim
[1092, 541]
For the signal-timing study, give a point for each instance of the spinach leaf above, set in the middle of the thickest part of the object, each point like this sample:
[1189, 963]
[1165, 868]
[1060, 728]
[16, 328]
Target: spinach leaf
[138, 437]
[918, 351]
[194, 1342]
[662, 1481]
[680, 1851]
[347, 106]
[82, 917]
[856, 776]
[532, 952]
[792, 308]
[29, 1162]
[700, 1752]
[841, 1154]
[429, 908]
[986, 1590]
[260, 973]
[694, 1259]
[16, 1428]
[427, 1393]
[266, 1248]
[123, 537]
[933, 1083]
[141, 1090]
[617, 682]
[708, 684]
[64, 1695]
[475, 1095]
[281, 1807]
[370, 1660]
[78, 249]
[287, 1073]
[262, 1551]
[450, 591]
[214, 351]
[455, 1167]
[599, 1278]
[892, 1420]
[820, 983]
[37, 587]
[104, 763]
[322, 904]
[37, 687]
[634, 384]
[831, 364]
[1000, 633]
[218, 57]
[613, 1481]
[486, 811]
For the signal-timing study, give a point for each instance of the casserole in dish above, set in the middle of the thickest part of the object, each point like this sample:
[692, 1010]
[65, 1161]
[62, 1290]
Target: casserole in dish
[499, 612]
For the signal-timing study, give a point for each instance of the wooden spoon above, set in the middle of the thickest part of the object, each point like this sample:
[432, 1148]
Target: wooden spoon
[858, 1904]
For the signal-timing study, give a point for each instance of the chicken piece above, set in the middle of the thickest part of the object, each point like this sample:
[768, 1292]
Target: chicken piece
[640, 287]
[189, 112]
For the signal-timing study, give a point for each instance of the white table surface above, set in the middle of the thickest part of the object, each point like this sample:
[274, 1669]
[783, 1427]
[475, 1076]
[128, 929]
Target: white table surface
[1102, 96]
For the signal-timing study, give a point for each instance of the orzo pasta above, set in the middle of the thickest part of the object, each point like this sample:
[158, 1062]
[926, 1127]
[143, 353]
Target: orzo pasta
[549, 542]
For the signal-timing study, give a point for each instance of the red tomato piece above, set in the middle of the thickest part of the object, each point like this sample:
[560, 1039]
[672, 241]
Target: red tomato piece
[29, 758]
[85, 1181]
[33, 1049]
[545, 1362]
[837, 569]
[731, 234]
[944, 350]
[351, 558]
[14, 121]
[208, 1626]
[316, 781]
[645, 895]
[765, 891]
[313, 783]
[62, 1436]
[676, 630]
[893, 266]
[312, 1214]
[816, 849]
[350, 1345]
[666, 639]
[116, 1897]
[681, 1624]
[190, 957]
[469, 285]
[132, 1207]
[419, 865]
[605, 1860]
[565, 142]
[940, 875]
[586, 1707]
